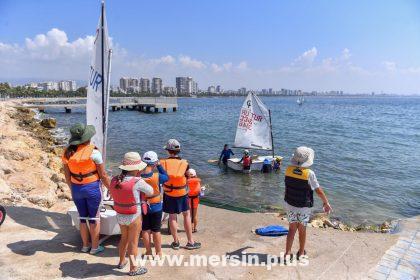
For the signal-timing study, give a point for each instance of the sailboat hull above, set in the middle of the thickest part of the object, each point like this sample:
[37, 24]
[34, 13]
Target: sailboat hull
[256, 165]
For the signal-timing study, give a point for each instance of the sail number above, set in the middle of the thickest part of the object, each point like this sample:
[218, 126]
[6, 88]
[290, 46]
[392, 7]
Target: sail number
[95, 79]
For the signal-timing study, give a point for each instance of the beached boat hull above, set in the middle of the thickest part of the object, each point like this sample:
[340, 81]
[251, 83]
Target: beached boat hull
[257, 163]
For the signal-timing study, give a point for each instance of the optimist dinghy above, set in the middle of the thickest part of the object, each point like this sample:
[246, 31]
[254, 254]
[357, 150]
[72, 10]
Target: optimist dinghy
[254, 132]
[97, 115]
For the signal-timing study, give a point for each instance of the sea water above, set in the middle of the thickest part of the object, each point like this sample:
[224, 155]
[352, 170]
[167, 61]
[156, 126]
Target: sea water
[367, 149]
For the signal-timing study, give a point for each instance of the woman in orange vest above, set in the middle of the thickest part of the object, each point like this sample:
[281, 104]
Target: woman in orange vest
[152, 221]
[175, 197]
[84, 171]
[129, 192]
[194, 193]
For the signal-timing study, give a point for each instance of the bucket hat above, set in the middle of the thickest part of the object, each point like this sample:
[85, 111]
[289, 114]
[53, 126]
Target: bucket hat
[132, 162]
[81, 133]
[303, 157]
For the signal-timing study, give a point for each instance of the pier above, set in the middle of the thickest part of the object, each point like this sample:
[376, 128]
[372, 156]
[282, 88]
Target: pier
[141, 104]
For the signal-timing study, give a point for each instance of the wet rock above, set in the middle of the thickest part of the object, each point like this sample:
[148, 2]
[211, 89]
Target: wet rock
[317, 223]
[328, 223]
[385, 227]
[49, 123]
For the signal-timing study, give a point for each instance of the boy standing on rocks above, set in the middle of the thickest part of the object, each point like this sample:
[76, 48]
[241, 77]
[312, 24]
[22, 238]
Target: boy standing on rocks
[301, 182]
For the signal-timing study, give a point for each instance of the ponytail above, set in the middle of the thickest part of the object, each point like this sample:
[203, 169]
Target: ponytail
[71, 150]
[120, 178]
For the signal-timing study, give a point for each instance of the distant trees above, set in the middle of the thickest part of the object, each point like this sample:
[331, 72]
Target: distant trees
[26, 92]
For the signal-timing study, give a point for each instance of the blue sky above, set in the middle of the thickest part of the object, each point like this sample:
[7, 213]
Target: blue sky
[323, 45]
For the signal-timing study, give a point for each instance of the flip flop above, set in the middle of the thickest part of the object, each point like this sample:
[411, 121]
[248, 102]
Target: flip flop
[139, 271]
[298, 255]
[121, 266]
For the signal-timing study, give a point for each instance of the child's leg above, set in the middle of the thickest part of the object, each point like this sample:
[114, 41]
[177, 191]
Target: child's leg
[195, 219]
[290, 236]
[302, 238]
[146, 241]
[157, 240]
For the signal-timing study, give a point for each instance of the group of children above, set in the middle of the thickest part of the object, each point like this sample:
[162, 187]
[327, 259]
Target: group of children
[145, 189]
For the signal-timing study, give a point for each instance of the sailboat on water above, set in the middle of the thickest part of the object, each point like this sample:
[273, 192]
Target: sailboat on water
[300, 100]
[97, 108]
[253, 132]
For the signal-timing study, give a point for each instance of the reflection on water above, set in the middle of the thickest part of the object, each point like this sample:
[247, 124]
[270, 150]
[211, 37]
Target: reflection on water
[367, 150]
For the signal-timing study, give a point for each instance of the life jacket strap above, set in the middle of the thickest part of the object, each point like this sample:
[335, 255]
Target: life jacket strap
[174, 187]
[125, 204]
[153, 196]
[79, 177]
[193, 197]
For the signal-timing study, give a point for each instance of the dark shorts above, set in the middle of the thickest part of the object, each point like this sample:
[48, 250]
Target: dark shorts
[175, 205]
[247, 167]
[87, 199]
[152, 221]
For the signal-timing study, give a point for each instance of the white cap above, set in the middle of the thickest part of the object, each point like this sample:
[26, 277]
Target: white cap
[192, 172]
[150, 157]
[173, 145]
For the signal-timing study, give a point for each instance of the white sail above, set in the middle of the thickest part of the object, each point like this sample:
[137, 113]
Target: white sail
[97, 90]
[254, 129]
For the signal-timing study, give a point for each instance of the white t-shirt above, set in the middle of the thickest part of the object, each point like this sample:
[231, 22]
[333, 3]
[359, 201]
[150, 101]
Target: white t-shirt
[96, 156]
[313, 182]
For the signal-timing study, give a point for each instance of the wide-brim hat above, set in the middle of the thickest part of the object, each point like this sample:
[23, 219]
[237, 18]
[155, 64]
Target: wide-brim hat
[303, 157]
[132, 162]
[81, 133]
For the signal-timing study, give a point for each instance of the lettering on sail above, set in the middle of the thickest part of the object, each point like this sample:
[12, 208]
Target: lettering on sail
[95, 79]
[247, 118]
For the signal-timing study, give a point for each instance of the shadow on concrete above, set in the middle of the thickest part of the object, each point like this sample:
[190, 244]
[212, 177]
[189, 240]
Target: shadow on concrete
[80, 269]
[251, 258]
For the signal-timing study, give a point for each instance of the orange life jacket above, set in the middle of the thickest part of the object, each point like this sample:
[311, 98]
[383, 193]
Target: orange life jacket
[82, 167]
[153, 181]
[176, 186]
[194, 186]
[247, 161]
[124, 199]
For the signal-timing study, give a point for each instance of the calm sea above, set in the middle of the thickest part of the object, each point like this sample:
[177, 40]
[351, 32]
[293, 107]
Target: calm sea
[367, 150]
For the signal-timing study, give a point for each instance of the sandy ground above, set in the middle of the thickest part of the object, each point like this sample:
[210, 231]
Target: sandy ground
[42, 244]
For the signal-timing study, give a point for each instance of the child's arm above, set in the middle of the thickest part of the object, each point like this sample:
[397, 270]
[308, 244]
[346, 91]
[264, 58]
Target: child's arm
[327, 207]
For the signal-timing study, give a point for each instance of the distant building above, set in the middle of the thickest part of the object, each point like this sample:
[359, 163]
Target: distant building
[144, 85]
[129, 85]
[157, 86]
[219, 89]
[270, 91]
[186, 85]
[170, 91]
[45, 86]
[67, 85]
[242, 91]
[211, 89]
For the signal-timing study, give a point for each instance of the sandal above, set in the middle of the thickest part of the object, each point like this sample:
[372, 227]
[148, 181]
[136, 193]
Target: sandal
[194, 230]
[194, 246]
[290, 259]
[85, 249]
[298, 255]
[175, 245]
[139, 271]
[97, 250]
[122, 265]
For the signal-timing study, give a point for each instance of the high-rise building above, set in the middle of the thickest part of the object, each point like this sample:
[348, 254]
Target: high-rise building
[186, 85]
[157, 86]
[124, 83]
[170, 91]
[219, 89]
[144, 85]
[129, 84]
[211, 89]
[270, 91]
[67, 85]
[242, 91]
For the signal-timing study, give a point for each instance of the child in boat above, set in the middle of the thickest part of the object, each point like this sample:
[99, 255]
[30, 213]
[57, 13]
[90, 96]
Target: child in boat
[300, 182]
[277, 164]
[155, 176]
[246, 161]
[194, 190]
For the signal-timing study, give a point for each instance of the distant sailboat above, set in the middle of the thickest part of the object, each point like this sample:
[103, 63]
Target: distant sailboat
[300, 100]
[254, 131]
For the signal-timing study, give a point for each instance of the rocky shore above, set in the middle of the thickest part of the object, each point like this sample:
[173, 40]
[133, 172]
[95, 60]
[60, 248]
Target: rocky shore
[30, 165]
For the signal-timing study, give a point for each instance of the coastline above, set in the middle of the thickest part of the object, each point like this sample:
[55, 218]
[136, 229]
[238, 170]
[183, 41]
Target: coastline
[33, 190]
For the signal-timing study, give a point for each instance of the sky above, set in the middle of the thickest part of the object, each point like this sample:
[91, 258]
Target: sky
[354, 46]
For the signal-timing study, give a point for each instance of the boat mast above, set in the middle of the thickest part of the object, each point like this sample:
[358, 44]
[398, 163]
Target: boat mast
[271, 133]
[103, 76]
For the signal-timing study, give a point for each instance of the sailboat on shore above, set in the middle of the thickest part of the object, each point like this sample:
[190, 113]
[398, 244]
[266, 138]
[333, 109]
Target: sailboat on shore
[253, 132]
[97, 108]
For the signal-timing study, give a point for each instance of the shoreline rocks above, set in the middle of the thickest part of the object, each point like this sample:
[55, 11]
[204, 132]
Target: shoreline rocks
[30, 164]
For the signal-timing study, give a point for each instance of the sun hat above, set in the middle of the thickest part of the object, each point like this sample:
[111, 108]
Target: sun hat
[192, 172]
[132, 162]
[150, 157]
[173, 145]
[303, 157]
[81, 133]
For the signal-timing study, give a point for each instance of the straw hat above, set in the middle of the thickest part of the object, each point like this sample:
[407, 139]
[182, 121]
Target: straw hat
[132, 162]
[81, 133]
[303, 157]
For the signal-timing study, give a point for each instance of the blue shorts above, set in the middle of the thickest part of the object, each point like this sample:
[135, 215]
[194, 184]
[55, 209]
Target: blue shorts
[175, 205]
[87, 199]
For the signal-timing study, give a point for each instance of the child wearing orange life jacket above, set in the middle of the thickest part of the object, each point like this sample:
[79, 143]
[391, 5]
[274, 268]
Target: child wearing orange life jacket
[194, 193]
[246, 161]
